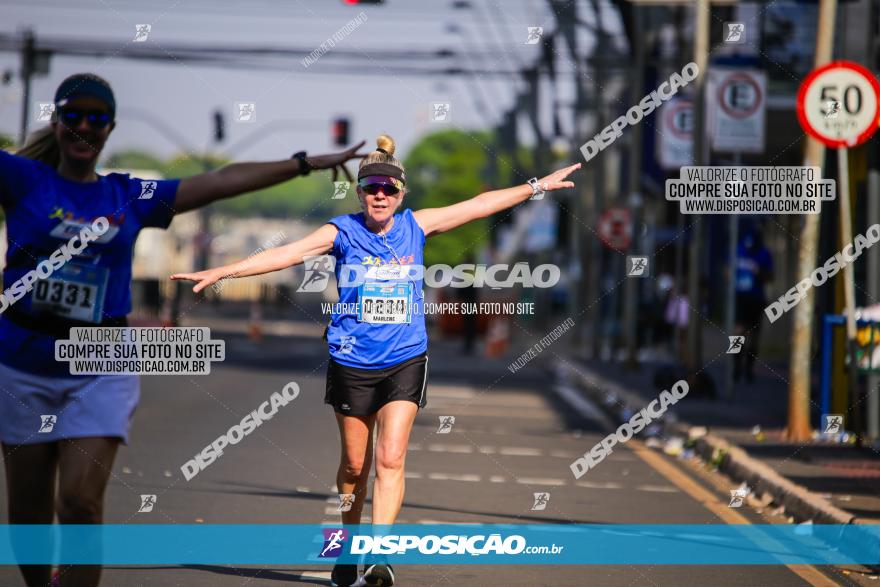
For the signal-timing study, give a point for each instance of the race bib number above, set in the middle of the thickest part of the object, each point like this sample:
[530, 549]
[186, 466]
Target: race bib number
[385, 303]
[74, 291]
[745, 282]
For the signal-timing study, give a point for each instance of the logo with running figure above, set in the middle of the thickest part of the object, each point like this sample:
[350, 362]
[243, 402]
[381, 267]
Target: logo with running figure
[440, 111]
[735, 32]
[246, 111]
[637, 266]
[738, 496]
[446, 423]
[832, 423]
[317, 273]
[333, 541]
[148, 188]
[541, 501]
[340, 189]
[346, 500]
[148, 502]
[346, 344]
[47, 423]
[45, 111]
[141, 32]
[736, 344]
[534, 35]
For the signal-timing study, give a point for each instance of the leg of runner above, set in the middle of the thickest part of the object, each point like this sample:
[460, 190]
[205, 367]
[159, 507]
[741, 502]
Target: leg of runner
[394, 422]
[84, 465]
[356, 437]
[30, 485]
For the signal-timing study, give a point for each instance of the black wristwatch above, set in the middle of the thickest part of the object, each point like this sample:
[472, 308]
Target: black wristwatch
[304, 167]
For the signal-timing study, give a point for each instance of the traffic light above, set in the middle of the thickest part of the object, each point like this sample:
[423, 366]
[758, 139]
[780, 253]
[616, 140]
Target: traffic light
[340, 132]
[219, 132]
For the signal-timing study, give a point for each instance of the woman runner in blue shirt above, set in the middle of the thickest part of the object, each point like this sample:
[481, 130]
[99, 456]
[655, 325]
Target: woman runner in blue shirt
[378, 353]
[54, 425]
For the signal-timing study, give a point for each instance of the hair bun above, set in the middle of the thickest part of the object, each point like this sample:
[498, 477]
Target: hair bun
[386, 144]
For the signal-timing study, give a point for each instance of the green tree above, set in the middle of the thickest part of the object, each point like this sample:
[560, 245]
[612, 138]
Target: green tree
[442, 169]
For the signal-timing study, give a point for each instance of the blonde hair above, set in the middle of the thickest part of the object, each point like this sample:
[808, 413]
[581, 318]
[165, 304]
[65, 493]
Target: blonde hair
[387, 144]
[42, 146]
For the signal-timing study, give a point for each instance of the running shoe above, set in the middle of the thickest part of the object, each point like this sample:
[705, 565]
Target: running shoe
[379, 575]
[344, 575]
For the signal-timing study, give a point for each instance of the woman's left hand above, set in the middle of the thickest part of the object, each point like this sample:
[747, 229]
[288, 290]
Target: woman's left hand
[336, 161]
[556, 180]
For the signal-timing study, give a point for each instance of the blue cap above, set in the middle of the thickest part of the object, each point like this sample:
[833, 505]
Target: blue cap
[85, 84]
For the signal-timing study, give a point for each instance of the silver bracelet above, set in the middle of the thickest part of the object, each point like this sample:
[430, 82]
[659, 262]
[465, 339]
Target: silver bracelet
[537, 190]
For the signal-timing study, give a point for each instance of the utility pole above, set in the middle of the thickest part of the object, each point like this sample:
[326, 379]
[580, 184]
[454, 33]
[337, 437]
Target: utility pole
[631, 286]
[701, 58]
[798, 428]
[28, 55]
[582, 242]
[595, 246]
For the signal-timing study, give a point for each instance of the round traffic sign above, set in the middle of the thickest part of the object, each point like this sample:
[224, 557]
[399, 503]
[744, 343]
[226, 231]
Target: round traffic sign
[739, 95]
[839, 104]
[680, 119]
[615, 228]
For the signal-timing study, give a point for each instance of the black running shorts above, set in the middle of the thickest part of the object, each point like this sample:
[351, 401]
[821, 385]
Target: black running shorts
[362, 392]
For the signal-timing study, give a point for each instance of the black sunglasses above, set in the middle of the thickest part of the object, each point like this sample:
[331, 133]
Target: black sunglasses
[72, 117]
[387, 188]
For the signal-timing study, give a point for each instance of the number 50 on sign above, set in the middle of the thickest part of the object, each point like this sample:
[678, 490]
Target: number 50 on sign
[838, 104]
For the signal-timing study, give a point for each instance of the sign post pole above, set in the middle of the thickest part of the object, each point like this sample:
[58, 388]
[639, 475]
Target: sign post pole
[839, 104]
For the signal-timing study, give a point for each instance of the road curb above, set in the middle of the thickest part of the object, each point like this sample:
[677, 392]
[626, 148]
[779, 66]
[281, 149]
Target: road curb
[617, 401]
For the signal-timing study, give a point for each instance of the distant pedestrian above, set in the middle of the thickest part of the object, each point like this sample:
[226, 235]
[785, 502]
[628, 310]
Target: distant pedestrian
[754, 269]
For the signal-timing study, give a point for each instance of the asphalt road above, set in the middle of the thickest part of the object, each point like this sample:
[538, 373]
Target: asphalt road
[513, 436]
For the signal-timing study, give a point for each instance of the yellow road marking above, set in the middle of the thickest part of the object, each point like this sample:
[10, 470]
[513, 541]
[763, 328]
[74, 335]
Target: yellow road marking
[710, 501]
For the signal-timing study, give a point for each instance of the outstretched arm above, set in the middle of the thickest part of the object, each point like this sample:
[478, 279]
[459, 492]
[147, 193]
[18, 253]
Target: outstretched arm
[436, 220]
[317, 243]
[239, 178]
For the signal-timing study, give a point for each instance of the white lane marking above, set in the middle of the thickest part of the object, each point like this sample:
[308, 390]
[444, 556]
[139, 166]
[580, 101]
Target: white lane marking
[364, 520]
[583, 406]
[592, 485]
[454, 477]
[456, 448]
[303, 489]
[497, 479]
[487, 450]
[658, 488]
[415, 446]
[540, 481]
[451, 391]
[411, 475]
[563, 454]
[521, 451]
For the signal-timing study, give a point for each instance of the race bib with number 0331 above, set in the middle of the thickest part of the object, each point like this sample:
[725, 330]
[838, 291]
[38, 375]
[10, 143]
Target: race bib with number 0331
[385, 303]
[73, 291]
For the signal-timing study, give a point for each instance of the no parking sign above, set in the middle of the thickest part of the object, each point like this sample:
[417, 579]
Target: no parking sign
[675, 146]
[737, 107]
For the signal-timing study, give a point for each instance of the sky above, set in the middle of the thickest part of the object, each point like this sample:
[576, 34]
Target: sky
[301, 101]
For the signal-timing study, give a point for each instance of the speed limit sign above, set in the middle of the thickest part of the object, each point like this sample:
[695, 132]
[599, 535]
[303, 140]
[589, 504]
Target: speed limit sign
[839, 104]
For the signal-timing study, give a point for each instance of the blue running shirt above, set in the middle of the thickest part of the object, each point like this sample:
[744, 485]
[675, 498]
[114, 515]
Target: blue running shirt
[44, 211]
[389, 326]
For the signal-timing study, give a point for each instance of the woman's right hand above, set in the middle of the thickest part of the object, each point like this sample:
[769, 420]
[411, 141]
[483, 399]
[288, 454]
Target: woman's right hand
[204, 278]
